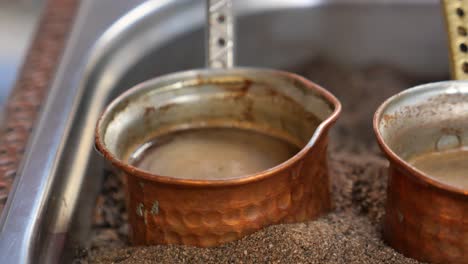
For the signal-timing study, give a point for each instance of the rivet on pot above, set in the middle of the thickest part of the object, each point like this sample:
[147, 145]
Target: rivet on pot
[400, 217]
[448, 141]
[139, 209]
[145, 217]
[155, 208]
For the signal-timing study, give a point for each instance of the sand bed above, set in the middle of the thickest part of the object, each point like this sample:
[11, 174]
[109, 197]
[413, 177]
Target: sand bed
[351, 233]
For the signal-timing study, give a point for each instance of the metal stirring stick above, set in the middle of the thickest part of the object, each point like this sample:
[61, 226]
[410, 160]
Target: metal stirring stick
[457, 30]
[220, 34]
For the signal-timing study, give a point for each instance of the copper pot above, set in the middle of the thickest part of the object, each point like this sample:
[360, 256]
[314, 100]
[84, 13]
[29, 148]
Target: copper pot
[426, 217]
[170, 210]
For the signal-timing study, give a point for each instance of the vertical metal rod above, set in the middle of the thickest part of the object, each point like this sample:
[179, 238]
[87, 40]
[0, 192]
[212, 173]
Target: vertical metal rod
[219, 34]
[456, 18]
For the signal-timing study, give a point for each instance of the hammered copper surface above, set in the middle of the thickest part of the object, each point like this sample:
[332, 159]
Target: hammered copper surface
[423, 221]
[29, 92]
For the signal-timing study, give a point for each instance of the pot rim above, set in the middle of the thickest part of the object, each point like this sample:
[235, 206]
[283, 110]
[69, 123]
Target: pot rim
[129, 169]
[393, 157]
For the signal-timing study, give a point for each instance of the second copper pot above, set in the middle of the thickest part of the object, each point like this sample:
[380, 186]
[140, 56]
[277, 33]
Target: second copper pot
[426, 218]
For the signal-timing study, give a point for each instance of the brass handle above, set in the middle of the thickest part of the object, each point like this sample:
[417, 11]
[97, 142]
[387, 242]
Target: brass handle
[220, 34]
[456, 18]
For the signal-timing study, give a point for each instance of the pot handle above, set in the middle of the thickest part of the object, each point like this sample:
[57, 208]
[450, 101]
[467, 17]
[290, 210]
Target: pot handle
[219, 34]
[456, 13]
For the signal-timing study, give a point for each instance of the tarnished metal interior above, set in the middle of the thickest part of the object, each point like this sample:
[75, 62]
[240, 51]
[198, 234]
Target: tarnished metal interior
[425, 119]
[253, 99]
[117, 44]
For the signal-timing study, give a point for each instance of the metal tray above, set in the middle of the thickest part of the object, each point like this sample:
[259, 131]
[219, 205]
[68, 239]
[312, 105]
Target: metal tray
[115, 44]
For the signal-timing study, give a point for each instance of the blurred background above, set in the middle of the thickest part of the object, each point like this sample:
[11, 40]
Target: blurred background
[18, 21]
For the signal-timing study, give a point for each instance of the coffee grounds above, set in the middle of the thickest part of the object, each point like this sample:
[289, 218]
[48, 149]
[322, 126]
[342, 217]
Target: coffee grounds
[351, 233]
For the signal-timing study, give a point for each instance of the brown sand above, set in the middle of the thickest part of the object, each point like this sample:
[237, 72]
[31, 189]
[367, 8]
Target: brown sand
[351, 233]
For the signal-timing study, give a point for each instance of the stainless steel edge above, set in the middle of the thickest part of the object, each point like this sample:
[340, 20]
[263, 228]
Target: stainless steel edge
[60, 169]
[25, 208]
